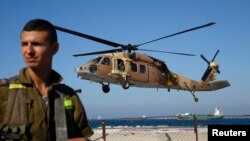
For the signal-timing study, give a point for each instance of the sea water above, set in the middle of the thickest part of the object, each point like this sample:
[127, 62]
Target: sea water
[168, 121]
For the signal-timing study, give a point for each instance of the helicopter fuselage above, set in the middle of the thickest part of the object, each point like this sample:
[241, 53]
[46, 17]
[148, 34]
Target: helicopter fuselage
[142, 71]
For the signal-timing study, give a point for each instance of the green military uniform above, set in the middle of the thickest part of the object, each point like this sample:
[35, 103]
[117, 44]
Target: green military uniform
[41, 118]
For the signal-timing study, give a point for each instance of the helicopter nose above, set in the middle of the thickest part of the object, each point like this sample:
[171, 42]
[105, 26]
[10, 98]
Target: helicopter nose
[78, 69]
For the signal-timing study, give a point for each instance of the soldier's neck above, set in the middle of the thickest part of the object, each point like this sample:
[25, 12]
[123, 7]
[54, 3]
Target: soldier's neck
[40, 80]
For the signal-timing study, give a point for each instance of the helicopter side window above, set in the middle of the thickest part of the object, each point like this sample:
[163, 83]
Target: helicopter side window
[133, 67]
[96, 60]
[142, 68]
[106, 61]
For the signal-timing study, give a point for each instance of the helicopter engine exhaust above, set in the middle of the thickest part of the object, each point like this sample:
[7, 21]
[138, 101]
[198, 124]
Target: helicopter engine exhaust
[147, 59]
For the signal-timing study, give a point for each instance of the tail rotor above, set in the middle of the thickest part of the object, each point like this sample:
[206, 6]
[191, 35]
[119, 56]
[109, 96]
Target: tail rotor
[211, 65]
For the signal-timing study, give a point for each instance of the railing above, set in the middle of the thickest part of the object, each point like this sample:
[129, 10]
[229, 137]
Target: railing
[162, 128]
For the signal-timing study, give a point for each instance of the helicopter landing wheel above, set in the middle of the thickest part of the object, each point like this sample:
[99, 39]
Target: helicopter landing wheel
[105, 88]
[125, 84]
[196, 99]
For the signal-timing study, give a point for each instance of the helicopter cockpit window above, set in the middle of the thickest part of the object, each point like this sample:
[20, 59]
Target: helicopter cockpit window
[96, 60]
[133, 67]
[142, 68]
[106, 61]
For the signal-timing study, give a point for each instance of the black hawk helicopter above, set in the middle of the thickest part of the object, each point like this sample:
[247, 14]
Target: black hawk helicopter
[124, 66]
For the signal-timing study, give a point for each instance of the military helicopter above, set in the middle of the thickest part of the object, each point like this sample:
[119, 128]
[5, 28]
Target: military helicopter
[125, 67]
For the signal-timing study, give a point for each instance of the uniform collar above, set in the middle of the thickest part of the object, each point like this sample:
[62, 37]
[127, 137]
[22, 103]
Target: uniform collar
[24, 77]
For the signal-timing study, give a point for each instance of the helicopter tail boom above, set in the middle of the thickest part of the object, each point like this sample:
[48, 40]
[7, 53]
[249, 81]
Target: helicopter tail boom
[211, 86]
[215, 85]
[180, 82]
[184, 83]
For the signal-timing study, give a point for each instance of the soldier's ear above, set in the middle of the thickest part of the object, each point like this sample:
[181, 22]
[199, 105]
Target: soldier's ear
[55, 48]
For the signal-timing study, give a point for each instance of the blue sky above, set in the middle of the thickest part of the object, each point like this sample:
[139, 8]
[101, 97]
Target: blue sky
[138, 21]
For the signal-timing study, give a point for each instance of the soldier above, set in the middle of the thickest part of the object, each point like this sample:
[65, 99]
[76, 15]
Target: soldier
[34, 105]
[121, 65]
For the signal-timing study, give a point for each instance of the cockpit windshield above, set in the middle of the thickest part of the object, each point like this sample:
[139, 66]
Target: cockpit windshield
[96, 60]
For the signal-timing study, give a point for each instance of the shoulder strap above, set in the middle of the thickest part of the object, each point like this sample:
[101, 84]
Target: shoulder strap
[66, 119]
[60, 114]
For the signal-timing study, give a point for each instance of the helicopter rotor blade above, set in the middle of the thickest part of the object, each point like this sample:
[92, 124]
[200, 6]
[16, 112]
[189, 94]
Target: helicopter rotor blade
[177, 53]
[205, 75]
[215, 55]
[99, 52]
[184, 31]
[100, 40]
[214, 58]
[205, 59]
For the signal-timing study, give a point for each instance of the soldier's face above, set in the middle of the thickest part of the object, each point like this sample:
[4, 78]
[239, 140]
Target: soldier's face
[36, 49]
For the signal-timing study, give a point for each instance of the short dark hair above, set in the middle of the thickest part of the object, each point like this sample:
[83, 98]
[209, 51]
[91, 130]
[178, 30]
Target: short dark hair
[42, 25]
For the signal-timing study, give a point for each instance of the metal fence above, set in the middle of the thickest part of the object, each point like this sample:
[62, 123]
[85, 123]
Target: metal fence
[163, 128]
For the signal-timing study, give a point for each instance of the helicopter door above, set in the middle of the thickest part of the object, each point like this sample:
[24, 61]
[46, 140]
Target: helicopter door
[139, 72]
[105, 66]
[152, 74]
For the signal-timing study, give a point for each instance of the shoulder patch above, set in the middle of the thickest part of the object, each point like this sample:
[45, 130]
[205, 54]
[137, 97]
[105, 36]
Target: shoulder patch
[17, 86]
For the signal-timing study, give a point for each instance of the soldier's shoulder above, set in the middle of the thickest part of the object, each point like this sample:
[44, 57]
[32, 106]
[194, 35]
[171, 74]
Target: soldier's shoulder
[67, 90]
[4, 86]
[4, 82]
[7, 81]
